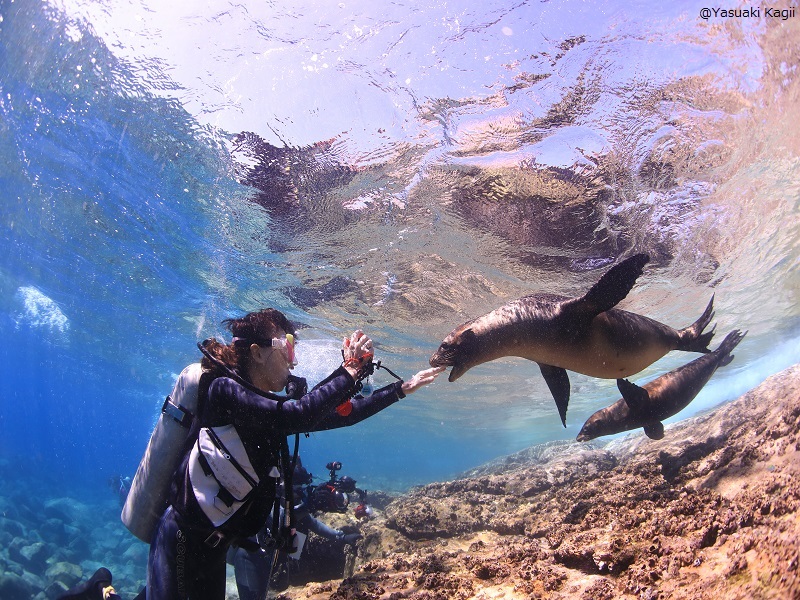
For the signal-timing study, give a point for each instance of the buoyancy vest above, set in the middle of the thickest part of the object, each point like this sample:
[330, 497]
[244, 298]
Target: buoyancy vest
[220, 472]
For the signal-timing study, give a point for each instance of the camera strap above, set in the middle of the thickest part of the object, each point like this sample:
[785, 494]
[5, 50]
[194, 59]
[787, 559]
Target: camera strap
[379, 365]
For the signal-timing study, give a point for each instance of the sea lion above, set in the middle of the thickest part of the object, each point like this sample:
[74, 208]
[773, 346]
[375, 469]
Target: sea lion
[586, 335]
[661, 398]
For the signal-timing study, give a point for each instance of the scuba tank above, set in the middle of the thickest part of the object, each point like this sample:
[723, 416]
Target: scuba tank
[149, 493]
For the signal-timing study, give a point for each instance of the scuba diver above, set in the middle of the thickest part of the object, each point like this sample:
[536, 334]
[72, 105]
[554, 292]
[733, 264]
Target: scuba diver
[304, 506]
[235, 450]
[97, 587]
[120, 486]
[337, 493]
[258, 571]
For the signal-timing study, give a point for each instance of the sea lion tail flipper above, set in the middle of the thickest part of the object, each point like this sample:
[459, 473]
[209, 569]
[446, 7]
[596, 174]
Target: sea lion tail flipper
[692, 338]
[728, 344]
[614, 285]
[558, 382]
[655, 431]
[635, 397]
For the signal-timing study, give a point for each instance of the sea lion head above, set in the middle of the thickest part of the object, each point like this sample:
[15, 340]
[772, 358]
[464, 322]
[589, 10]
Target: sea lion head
[600, 423]
[607, 421]
[459, 350]
[590, 430]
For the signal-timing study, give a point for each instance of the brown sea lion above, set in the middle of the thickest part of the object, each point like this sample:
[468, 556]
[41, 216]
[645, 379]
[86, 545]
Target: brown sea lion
[661, 398]
[586, 335]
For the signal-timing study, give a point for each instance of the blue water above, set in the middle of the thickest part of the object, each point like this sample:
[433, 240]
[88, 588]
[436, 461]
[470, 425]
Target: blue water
[130, 229]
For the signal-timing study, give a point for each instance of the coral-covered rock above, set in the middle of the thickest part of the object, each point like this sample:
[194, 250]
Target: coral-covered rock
[710, 511]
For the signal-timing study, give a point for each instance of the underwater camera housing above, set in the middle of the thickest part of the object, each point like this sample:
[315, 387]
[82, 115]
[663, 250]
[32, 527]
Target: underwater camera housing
[335, 495]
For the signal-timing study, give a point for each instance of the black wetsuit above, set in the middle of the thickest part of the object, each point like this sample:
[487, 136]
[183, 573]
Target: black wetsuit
[182, 564]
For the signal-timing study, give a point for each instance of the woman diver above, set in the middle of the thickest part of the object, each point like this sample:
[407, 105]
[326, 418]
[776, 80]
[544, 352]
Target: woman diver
[225, 486]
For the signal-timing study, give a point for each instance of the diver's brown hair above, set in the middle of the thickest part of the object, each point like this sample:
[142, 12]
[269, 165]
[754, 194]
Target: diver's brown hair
[255, 327]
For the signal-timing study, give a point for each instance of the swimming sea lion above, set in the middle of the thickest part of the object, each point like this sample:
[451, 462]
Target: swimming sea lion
[586, 335]
[661, 398]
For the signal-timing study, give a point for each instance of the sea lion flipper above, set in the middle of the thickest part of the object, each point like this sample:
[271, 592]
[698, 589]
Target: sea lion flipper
[635, 397]
[728, 344]
[612, 287]
[655, 431]
[692, 338]
[558, 382]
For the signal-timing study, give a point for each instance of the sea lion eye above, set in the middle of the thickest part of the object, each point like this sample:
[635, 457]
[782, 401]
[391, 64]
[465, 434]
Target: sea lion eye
[447, 348]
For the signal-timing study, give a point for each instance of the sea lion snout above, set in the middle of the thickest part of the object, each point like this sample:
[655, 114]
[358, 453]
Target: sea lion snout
[591, 429]
[455, 351]
[447, 356]
[441, 358]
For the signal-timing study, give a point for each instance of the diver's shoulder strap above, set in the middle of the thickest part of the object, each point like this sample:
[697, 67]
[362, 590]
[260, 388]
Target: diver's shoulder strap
[202, 391]
[183, 404]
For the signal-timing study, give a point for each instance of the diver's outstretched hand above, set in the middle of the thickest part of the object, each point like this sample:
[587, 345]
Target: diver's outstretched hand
[420, 379]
